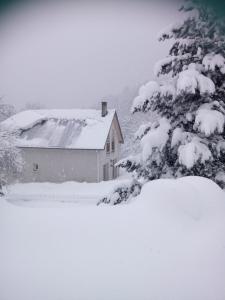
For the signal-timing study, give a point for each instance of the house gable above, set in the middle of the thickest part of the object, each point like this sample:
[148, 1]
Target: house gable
[118, 129]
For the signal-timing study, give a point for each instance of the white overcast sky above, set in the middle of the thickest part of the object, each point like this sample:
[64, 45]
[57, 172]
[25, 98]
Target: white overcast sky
[72, 54]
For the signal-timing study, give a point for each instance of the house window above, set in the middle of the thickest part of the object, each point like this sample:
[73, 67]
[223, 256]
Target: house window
[114, 169]
[35, 167]
[106, 172]
[108, 145]
[113, 144]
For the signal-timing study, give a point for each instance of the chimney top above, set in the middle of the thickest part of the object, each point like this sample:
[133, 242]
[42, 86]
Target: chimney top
[104, 108]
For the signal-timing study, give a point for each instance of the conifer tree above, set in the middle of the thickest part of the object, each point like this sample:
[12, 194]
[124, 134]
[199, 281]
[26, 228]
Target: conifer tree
[189, 97]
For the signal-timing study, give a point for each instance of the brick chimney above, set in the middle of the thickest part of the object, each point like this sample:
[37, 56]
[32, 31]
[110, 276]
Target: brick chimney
[104, 109]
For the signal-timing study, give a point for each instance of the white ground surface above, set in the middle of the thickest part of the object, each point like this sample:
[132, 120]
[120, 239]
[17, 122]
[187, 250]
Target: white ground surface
[168, 244]
[60, 194]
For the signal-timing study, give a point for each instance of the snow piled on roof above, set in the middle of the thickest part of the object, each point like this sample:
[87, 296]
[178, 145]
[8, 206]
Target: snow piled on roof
[56, 128]
[24, 120]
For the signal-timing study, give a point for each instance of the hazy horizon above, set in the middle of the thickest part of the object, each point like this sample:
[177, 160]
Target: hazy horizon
[66, 55]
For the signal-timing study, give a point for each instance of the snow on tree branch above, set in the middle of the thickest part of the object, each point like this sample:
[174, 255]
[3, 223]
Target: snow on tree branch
[122, 193]
[147, 93]
[155, 138]
[209, 121]
[165, 66]
[211, 61]
[193, 152]
[191, 80]
[150, 94]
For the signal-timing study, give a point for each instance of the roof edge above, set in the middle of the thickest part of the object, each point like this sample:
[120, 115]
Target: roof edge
[122, 139]
[59, 148]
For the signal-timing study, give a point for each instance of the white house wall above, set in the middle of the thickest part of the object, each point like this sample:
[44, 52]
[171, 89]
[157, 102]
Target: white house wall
[58, 165]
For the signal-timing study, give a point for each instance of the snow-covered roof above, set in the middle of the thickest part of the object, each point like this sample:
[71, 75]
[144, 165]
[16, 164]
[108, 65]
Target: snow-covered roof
[57, 128]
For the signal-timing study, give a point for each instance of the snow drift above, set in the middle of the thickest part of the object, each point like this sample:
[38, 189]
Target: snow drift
[169, 243]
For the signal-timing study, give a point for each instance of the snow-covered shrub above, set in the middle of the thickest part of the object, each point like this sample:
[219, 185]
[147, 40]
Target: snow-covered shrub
[10, 157]
[189, 98]
[123, 193]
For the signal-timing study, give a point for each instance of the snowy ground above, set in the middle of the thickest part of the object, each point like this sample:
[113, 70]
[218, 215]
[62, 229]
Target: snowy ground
[168, 244]
[61, 194]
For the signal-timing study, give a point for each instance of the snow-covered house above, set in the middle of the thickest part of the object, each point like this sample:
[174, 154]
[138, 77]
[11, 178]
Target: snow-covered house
[65, 145]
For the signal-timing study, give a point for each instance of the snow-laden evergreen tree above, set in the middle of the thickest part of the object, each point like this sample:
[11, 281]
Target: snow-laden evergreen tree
[189, 97]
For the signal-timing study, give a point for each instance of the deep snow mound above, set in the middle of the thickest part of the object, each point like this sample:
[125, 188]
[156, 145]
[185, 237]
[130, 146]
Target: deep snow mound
[190, 197]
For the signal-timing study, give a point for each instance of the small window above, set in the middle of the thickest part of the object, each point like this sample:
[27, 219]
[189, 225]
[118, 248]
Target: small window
[35, 167]
[108, 145]
[115, 169]
[113, 144]
[106, 172]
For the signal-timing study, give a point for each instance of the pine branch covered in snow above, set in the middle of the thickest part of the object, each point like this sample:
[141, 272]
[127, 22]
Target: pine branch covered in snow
[189, 137]
[123, 193]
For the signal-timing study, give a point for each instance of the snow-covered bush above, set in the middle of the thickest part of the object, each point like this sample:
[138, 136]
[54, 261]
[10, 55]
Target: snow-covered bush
[10, 157]
[122, 193]
[189, 98]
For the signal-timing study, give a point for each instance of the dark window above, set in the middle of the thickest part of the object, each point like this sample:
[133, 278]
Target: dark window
[108, 145]
[114, 170]
[106, 172]
[35, 167]
[113, 144]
